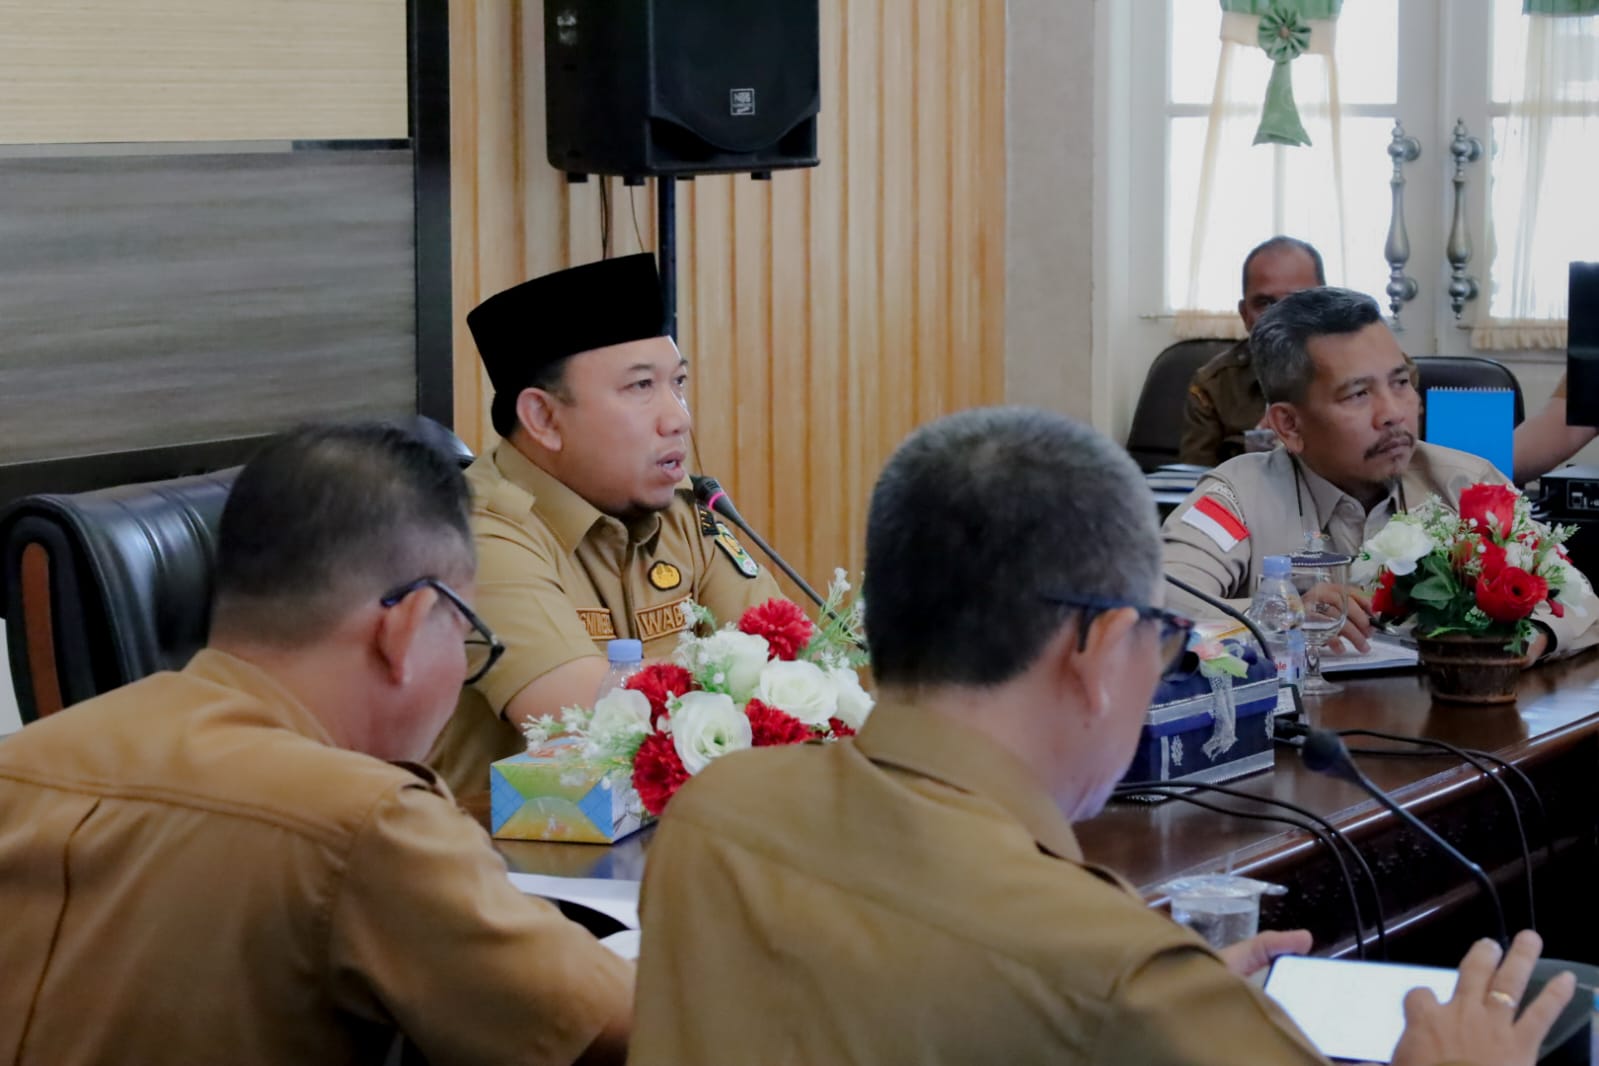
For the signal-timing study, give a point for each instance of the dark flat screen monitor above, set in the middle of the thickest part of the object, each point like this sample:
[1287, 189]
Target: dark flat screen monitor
[1582, 346]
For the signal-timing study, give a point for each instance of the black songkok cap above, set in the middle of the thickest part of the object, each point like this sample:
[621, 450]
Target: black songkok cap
[525, 330]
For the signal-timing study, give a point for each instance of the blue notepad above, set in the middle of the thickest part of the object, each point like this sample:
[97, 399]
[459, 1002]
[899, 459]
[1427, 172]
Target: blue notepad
[1479, 421]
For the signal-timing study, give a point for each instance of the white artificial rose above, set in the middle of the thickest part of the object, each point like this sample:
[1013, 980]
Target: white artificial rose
[621, 713]
[705, 726]
[1400, 545]
[854, 702]
[799, 688]
[727, 658]
[1518, 555]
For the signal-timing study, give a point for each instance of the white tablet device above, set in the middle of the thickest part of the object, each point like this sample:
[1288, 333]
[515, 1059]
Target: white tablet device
[1351, 1010]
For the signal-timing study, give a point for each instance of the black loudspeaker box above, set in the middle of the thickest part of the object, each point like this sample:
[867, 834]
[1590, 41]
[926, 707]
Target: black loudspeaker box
[1582, 346]
[681, 87]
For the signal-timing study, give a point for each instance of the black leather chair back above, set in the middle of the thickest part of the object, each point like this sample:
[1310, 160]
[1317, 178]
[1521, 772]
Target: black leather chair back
[1467, 372]
[102, 588]
[1157, 427]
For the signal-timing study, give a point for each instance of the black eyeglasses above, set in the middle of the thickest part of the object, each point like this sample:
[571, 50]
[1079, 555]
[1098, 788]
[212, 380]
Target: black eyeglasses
[481, 642]
[1174, 628]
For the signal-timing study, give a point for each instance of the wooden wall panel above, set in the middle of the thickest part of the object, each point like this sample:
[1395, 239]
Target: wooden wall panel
[202, 70]
[825, 313]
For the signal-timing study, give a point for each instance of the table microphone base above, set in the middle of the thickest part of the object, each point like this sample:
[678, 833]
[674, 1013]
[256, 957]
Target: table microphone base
[1570, 1039]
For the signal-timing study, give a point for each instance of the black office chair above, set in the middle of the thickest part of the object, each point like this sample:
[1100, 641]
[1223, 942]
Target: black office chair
[102, 588]
[1157, 427]
[1467, 372]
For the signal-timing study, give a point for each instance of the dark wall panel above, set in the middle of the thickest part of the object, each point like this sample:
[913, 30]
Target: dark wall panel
[156, 300]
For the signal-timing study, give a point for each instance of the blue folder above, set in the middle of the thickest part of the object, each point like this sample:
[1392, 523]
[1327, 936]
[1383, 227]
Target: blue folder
[1479, 421]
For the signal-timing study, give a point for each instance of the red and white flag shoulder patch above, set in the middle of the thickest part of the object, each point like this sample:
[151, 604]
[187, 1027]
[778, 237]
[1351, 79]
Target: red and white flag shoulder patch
[1216, 520]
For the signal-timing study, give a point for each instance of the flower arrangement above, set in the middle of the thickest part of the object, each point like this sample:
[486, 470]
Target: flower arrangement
[774, 677]
[1480, 572]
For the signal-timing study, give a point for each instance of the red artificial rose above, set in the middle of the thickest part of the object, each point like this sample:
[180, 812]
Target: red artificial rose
[1492, 559]
[660, 682]
[1557, 608]
[782, 624]
[1385, 602]
[657, 772]
[1482, 502]
[1512, 595]
[770, 727]
[839, 728]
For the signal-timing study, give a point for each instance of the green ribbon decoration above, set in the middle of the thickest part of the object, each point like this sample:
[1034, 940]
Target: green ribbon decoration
[1559, 8]
[1284, 36]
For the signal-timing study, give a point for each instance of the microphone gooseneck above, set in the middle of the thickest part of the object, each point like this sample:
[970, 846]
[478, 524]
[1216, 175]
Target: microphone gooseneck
[714, 498]
[1324, 753]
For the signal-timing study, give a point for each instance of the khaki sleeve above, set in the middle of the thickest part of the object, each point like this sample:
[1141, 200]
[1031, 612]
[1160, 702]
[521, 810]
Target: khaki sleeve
[519, 595]
[428, 931]
[1194, 556]
[1203, 431]
[1184, 1006]
[724, 589]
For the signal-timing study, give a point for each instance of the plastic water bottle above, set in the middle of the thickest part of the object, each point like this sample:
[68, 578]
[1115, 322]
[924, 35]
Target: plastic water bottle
[626, 658]
[1280, 614]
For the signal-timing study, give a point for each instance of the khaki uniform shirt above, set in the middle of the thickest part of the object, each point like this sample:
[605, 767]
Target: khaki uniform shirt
[190, 872]
[1224, 400]
[910, 896]
[1273, 508]
[557, 580]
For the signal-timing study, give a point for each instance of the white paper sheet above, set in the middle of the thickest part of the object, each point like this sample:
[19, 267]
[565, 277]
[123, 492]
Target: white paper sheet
[1387, 653]
[624, 944]
[618, 899]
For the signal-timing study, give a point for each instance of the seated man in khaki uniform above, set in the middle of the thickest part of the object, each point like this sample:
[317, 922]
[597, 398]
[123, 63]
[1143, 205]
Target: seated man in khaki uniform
[1345, 406]
[1224, 398]
[218, 864]
[586, 527]
[916, 894]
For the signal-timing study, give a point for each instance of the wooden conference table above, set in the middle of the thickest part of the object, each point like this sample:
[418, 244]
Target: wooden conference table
[1432, 909]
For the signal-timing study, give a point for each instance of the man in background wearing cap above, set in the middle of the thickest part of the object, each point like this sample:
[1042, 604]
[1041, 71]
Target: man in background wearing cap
[586, 528]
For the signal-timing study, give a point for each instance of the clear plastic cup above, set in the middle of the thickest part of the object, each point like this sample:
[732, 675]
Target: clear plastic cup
[1221, 908]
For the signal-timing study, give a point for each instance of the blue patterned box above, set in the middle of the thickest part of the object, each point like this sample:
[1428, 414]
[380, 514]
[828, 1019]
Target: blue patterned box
[540, 796]
[1183, 737]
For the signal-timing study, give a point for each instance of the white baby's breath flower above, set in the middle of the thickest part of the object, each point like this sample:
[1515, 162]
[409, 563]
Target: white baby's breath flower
[705, 726]
[799, 688]
[854, 702]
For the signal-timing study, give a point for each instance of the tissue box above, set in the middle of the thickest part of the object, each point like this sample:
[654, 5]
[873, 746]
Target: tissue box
[541, 795]
[1182, 719]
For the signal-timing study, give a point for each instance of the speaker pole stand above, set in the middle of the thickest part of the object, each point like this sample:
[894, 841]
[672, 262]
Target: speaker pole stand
[666, 247]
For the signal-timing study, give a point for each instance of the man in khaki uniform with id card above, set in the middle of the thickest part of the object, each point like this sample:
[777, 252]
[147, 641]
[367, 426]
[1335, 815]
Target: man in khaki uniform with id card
[916, 894]
[585, 525]
[1344, 403]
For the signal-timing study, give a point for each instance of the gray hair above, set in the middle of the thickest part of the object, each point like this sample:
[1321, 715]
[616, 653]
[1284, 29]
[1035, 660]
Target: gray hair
[978, 516]
[1278, 343]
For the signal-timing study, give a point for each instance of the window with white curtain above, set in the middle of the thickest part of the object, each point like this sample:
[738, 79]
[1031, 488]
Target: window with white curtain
[1530, 87]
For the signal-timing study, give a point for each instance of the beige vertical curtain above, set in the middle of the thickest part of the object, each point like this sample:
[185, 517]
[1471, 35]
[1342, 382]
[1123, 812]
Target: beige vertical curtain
[1540, 209]
[1230, 217]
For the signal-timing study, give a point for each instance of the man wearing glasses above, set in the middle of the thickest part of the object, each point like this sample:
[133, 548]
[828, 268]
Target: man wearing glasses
[586, 527]
[241, 860]
[916, 894]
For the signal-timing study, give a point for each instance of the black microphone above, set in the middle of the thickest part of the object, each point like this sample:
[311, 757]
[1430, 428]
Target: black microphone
[1324, 753]
[1254, 631]
[714, 498]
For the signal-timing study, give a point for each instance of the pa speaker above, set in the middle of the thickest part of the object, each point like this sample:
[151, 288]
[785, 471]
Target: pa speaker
[1582, 346]
[681, 87]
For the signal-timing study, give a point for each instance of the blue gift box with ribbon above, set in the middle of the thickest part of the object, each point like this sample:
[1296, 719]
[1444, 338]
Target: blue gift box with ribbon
[1210, 729]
